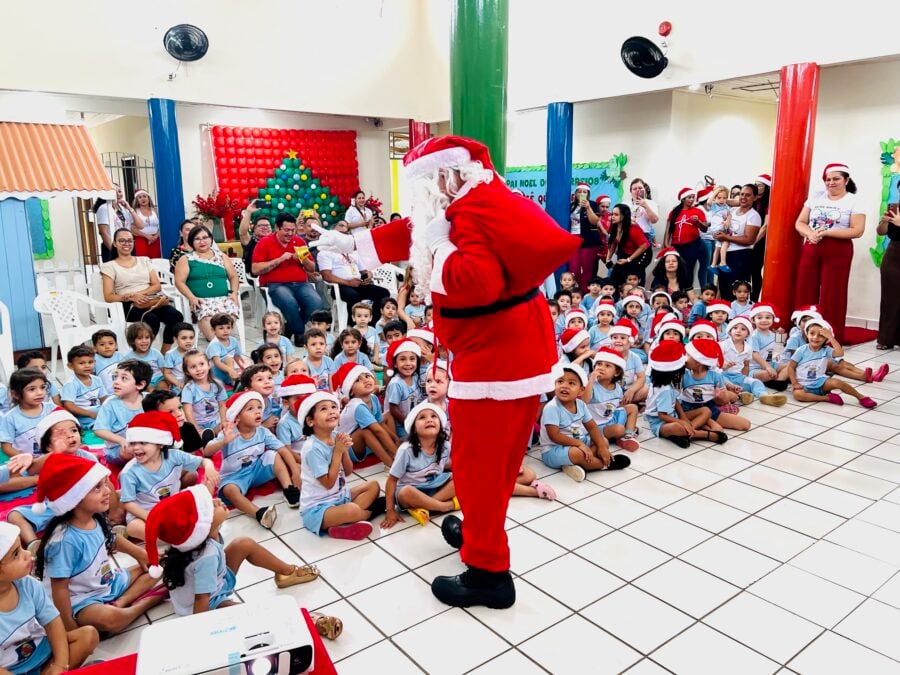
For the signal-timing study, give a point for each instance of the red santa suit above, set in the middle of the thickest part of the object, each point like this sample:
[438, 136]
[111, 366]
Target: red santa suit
[496, 324]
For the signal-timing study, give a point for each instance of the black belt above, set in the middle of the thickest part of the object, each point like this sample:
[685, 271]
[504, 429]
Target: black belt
[484, 310]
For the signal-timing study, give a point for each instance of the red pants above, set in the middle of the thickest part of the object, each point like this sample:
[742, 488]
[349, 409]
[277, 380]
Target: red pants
[822, 280]
[489, 442]
[583, 264]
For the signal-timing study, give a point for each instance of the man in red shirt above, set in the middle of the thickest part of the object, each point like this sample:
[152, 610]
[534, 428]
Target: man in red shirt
[283, 271]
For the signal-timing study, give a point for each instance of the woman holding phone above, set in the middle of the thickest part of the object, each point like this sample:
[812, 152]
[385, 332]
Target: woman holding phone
[584, 220]
[629, 246]
[889, 321]
[644, 212]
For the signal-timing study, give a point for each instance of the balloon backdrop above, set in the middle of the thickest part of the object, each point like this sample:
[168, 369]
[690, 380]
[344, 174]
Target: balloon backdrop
[292, 170]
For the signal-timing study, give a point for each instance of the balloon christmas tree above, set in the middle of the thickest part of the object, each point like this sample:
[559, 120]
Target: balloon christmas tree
[294, 188]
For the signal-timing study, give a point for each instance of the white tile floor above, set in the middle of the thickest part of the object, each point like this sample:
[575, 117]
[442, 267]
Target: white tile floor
[778, 551]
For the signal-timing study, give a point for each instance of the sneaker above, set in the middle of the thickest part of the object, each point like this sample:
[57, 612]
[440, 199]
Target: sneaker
[301, 574]
[867, 402]
[292, 496]
[628, 442]
[745, 397]
[266, 516]
[574, 472]
[868, 376]
[835, 398]
[618, 462]
[713, 269]
[724, 269]
[353, 531]
[773, 399]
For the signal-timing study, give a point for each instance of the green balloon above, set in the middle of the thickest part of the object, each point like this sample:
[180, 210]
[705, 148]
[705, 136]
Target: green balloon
[270, 182]
[282, 192]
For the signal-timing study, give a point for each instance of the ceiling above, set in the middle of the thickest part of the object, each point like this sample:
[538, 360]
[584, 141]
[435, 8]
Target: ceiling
[762, 88]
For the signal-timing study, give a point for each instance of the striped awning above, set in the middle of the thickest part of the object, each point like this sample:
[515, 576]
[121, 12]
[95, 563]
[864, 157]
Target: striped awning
[50, 160]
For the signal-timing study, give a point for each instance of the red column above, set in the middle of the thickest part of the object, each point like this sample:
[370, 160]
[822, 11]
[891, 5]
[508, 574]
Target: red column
[418, 132]
[794, 134]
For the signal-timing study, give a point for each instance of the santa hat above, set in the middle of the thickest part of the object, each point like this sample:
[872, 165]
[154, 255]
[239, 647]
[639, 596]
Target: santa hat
[625, 327]
[141, 191]
[414, 413]
[442, 364]
[706, 352]
[703, 326]
[667, 251]
[703, 194]
[815, 321]
[55, 417]
[739, 321]
[662, 293]
[604, 198]
[182, 520]
[156, 427]
[763, 308]
[560, 368]
[64, 481]
[443, 152]
[582, 186]
[399, 347]
[610, 356]
[808, 310]
[836, 166]
[571, 338]
[671, 324]
[295, 385]
[765, 179]
[633, 298]
[718, 306]
[686, 192]
[576, 313]
[9, 535]
[422, 334]
[235, 405]
[667, 356]
[342, 381]
[604, 306]
[659, 319]
[307, 403]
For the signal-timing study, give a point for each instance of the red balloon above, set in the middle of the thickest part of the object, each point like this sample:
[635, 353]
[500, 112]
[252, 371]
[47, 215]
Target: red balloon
[265, 133]
[229, 151]
[229, 141]
[247, 132]
[229, 131]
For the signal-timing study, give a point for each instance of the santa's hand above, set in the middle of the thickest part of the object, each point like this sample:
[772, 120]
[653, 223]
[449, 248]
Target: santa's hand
[437, 233]
[333, 241]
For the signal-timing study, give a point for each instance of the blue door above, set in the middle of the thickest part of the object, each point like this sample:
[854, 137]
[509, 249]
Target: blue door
[17, 285]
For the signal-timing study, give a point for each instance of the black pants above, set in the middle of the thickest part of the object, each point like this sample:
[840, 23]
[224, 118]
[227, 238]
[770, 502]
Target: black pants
[740, 262]
[167, 315]
[759, 257]
[691, 253]
[351, 295]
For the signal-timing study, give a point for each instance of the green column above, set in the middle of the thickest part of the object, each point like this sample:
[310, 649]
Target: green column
[478, 48]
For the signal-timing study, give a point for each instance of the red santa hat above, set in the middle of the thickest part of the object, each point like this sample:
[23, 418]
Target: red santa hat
[56, 416]
[625, 327]
[739, 321]
[604, 306]
[565, 366]
[64, 481]
[399, 347]
[662, 293]
[342, 381]
[703, 326]
[671, 324]
[765, 179]
[763, 308]
[718, 306]
[182, 520]
[815, 321]
[703, 194]
[659, 319]
[422, 334]
[807, 310]
[414, 413]
[706, 352]
[9, 535]
[686, 192]
[604, 198]
[576, 313]
[583, 186]
[237, 402]
[295, 385]
[610, 356]
[307, 403]
[667, 251]
[667, 356]
[443, 152]
[639, 299]
[835, 166]
[156, 427]
[571, 338]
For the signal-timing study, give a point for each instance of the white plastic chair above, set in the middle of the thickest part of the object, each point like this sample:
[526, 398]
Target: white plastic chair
[244, 286]
[7, 365]
[75, 317]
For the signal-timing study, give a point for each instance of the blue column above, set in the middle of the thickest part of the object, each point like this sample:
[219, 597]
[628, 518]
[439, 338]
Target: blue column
[167, 165]
[559, 164]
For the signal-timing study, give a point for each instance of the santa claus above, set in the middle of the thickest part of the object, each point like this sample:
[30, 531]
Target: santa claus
[482, 252]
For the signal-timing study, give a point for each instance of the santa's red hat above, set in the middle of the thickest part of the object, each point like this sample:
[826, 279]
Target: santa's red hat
[156, 427]
[835, 166]
[442, 152]
[571, 338]
[295, 385]
[604, 306]
[703, 194]
[806, 310]
[424, 405]
[739, 321]
[686, 192]
[765, 179]
[610, 356]
[667, 251]
[342, 381]
[763, 308]
[64, 481]
[667, 356]
[718, 306]
[582, 186]
[237, 402]
[625, 327]
[182, 520]
[639, 299]
[703, 326]
[815, 321]
[398, 347]
[565, 366]
[422, 334]
[671, 324]
[56, 416]
[604, 198]
[706, 352]
[659, 319]
[576, 313]
[307, 403]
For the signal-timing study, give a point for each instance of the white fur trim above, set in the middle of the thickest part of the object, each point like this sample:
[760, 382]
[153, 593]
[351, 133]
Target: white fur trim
[352, 377]
[155, 571]
[148, 435]
[204, 503]
[9, 535]
[77, 492]
[422, 334]
[667, 366]
[671, 324]
[765, 181]
[579, 337]
[310, 402]
[441, 253]
[414, 413]
[297, 389]
[53, 419]
[843, 168]
[684, 194]
[235, 409]
[614, 359]
[632, 298]
[662, 293]
[763, 308]
[502, 391]
[718, 306]
[696, 330]
[40, 508]
[817, 321]
[365, 248]
[442, 159]
[699, 357]
[739, 321]
[800, 313]
[562, 366]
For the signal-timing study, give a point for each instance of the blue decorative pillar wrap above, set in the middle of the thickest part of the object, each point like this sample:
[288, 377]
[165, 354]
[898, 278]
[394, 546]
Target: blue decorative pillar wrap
[559, 164]
[167, 165]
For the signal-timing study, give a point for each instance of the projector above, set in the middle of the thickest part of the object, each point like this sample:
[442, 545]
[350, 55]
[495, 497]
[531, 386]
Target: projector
[260, 638]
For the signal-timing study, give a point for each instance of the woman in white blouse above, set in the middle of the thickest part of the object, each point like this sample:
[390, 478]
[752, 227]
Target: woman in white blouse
[357, 214]
[112, 216]
[146, 225]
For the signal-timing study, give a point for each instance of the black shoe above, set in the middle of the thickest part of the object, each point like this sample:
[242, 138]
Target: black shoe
[619, 462]
[292, 496]
[377, 507]
[476, 587]
[207, 436]
[680, 441]
[777, 385]
[451, 528]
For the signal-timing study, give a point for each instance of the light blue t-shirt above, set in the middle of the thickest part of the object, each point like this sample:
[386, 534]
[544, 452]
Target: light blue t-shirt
[413, 311]
[85, 396]
[216, 348]
[633, 366]
[152, 358]
[811, 365]
[698, 311]
[604, 403]
[20, 429]
[174, 361]
[737, 309]
[322, 373]
[598, 337]
[290, 432]
[242, 452]
[721, 331]
[794, 342]
[5, 402]
[204, 404]
[114, 416]
[700, 389]
[316, 460]
[358, 415]
[570, 424]
[105, 369]
[418, 471]
[205, 574]
[660, 400]
[23, 641]
[404, 395]
[764, 345]
[361, 359]
[147, 488]
[285, 345]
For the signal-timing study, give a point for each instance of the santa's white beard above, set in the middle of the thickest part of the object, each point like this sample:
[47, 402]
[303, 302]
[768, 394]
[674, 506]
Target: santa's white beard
[428, 203]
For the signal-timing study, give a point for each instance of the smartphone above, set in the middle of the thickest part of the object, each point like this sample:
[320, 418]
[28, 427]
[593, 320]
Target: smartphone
[261, 203]
[892, 209]
[641, 193]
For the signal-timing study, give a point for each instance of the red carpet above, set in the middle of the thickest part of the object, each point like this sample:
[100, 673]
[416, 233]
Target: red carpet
[854, 335]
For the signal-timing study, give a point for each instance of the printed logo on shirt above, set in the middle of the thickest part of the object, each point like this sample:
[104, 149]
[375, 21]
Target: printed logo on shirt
[164, 492]
[812, 373]
[824, 218]
[697, 394]
[25, 649]
[106, 573]
[609, 408]
[209, 407]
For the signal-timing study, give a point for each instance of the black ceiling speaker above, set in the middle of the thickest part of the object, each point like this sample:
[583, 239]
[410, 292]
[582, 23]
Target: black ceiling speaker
[643, 57]
[186, 42]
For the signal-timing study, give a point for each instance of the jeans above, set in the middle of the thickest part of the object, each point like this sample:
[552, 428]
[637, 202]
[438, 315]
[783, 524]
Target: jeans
[705, 276]
[297, 301]
[740, 262]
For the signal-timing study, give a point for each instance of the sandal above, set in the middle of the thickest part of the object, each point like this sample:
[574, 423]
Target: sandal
[881, 373]
[301, 574]
[544, 491]
[353, 531]
[329, 627]
[720, 438]
[882, 348]
[421, 516]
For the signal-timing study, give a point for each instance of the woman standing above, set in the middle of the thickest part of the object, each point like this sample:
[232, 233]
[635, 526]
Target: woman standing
[133, 282]
[644, 211]
[745, 224]
[763, 192]
[828, 222]
[111, 217]
[889, 321]
[628, 244]
[584, 220]
[685, 223]
[145, 227]
[208, 280]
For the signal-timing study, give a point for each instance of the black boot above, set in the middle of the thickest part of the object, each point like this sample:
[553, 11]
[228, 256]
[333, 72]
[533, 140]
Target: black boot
[451, 528]
[476, 587]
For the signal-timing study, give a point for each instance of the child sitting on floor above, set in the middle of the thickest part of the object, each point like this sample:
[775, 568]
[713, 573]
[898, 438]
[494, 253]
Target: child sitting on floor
[361, 417]
[35, 359]
[173, 361]
[737, 352]
[404, 359]
[258, 378]
[139, 337]
[224, 351]
[700, 384]
[603, 396]
[634, 379]
[203, 397]
[764, 362]
[289, 430]
[718, 312]
[83, 394]
[18, 427]
[321, 367]
[132, 377]
[106, 357]
[273, 333]
[350, 348]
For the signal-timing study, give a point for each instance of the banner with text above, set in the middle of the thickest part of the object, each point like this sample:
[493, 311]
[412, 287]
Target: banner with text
[604, 178]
